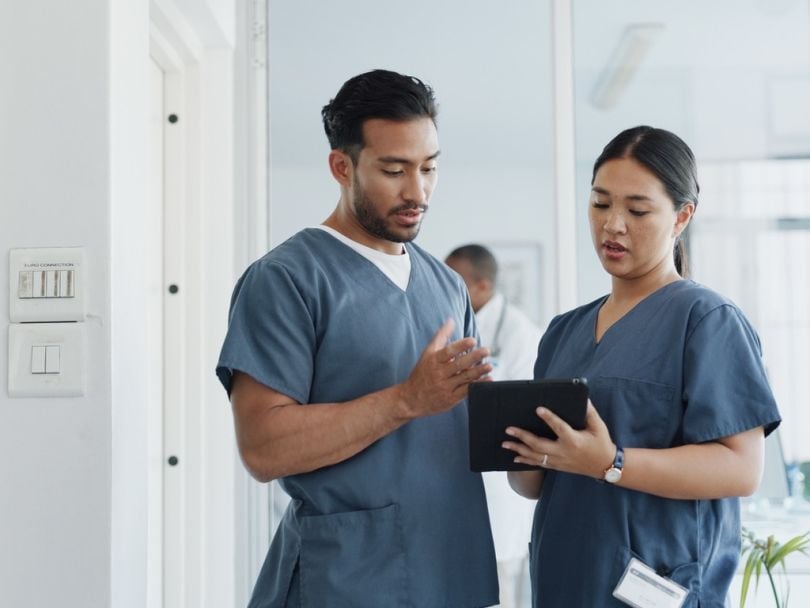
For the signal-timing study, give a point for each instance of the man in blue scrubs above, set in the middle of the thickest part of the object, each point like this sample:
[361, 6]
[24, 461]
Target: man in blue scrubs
[347, 360]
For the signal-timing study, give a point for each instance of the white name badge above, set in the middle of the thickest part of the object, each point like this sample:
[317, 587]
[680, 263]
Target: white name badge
[641, 587]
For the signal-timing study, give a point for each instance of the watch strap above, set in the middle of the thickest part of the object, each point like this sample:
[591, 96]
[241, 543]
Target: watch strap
[618, 460]
[614, 473]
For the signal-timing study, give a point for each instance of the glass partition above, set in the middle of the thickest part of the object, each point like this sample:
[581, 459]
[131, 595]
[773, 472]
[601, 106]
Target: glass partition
[733, 80]
[490, 66]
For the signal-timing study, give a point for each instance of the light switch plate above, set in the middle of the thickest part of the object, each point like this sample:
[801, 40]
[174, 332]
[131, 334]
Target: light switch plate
[69, 337]
[47, 284]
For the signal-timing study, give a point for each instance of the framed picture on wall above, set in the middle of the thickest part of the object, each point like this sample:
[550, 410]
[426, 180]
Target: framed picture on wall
[520, 273]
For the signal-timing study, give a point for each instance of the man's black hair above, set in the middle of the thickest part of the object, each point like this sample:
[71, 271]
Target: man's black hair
[376, 94]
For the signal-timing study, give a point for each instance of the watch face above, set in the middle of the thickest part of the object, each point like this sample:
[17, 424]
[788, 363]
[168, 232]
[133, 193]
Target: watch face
[613, 475]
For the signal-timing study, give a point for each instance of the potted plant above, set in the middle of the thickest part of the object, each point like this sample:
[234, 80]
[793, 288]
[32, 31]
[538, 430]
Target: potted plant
[770, 555]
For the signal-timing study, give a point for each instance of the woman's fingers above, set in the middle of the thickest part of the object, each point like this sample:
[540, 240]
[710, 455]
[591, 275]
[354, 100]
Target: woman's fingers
[554, 422]
[525, 455]
[532, 441]
[539, 451]
[529, 448]
[573, 451]
[593, 420]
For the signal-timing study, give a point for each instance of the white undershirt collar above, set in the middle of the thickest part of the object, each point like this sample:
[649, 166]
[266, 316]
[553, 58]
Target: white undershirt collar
[396, 267]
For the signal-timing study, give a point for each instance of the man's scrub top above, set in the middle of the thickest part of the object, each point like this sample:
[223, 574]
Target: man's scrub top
[404, 522]
[682, 367]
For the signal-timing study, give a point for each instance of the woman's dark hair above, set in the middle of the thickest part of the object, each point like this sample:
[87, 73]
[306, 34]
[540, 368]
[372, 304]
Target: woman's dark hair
[669, 158]
[375, 94]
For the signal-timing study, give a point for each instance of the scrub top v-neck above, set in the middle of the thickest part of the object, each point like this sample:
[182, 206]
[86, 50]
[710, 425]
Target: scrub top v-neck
[683, 366]
[404, 522]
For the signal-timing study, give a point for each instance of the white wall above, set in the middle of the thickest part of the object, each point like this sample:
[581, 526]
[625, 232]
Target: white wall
[73, 161]
[54, 191]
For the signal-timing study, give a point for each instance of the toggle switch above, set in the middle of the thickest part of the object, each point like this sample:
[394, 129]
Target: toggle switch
[65, 284]
[51, 283]
[45, 284]
[39, 284]
[25, 286]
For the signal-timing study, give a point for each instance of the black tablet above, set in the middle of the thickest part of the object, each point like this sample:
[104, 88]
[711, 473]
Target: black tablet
[493, 406]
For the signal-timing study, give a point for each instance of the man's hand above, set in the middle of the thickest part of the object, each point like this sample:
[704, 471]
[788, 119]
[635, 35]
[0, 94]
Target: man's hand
[278, 436]
[443, 374]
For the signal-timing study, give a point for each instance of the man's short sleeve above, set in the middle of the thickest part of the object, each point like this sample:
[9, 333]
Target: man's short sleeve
[271, 335]
[726, 389]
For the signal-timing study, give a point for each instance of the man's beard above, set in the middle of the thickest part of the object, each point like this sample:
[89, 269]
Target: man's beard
[376, 224]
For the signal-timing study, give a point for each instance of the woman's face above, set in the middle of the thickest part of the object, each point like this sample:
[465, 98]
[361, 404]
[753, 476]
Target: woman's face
[633, 221]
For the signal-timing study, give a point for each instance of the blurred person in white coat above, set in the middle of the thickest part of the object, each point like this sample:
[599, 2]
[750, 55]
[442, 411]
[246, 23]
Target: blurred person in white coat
[512, 339]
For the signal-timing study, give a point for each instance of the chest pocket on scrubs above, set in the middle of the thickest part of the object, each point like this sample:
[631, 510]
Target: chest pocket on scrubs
[638, 413]
[354, 560]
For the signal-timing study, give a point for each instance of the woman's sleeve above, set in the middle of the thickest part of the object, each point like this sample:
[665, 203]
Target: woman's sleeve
[726, 389]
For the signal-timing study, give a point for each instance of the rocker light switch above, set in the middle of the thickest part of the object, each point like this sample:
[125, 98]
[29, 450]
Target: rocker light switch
[52, 359]
[38, 359]
[46, 359]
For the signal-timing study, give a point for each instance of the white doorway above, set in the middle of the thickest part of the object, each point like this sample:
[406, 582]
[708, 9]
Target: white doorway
[173, 577]
[174, 206]
[154, 337]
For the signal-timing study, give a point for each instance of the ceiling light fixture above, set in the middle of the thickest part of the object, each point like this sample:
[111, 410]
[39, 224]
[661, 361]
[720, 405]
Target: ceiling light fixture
[631, 50]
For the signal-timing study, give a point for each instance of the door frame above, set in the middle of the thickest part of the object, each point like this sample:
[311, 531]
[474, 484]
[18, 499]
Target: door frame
[197, 54]
[252, 160]
[170, 486]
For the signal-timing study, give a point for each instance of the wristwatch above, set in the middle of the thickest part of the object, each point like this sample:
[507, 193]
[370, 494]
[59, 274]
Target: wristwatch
[614, 473]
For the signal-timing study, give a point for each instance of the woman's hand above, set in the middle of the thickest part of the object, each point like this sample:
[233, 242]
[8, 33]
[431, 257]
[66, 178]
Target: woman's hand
[587, 452]
[729, 466]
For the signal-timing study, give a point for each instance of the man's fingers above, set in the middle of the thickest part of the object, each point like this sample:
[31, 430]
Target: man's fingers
[463, 379]
[467, 358]
[441, 337]
[458, 349]
[481, 371]
[474, 373]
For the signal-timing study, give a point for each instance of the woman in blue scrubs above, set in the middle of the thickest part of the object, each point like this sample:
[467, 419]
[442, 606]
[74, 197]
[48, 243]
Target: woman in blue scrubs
[642, 505]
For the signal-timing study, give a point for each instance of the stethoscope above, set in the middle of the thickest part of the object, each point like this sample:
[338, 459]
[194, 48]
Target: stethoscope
[495, 347]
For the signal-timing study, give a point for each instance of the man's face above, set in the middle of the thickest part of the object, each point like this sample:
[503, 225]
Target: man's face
[393, 178]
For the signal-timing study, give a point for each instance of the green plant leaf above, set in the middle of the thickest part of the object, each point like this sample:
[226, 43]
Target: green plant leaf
[746, 581]
[748, 572]
[769, 554]
[797, 543]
